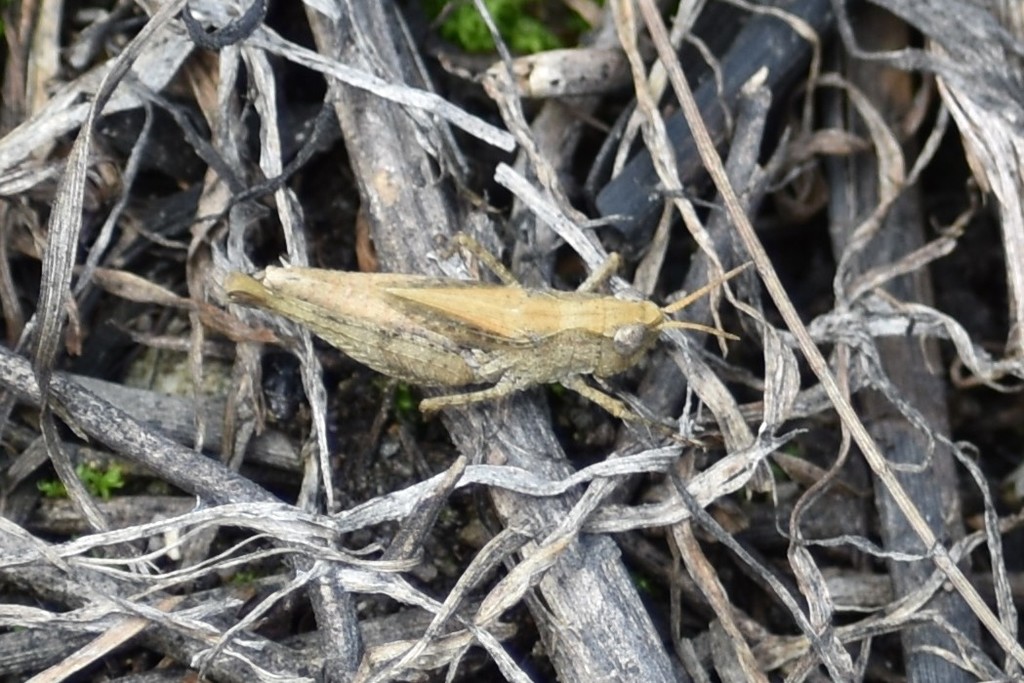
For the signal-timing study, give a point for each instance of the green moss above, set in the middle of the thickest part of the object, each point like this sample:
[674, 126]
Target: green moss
[99, 483]
[52, 488]
[405, 404]
[527, 26]
[244, 577]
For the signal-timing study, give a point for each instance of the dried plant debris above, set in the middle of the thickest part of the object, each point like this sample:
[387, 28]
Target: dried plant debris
[806, 468]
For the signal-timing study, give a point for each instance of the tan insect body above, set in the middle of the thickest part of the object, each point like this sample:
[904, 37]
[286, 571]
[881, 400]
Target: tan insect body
[454, 333]
[352, 312]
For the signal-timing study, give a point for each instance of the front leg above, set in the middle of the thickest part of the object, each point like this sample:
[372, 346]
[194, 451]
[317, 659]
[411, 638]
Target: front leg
[612, 406]
[617, 408]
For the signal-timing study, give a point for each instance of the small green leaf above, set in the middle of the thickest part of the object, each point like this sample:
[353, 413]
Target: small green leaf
[404, 404]
[101, 483]
[52, 488]
[244, 577]
[524, 24]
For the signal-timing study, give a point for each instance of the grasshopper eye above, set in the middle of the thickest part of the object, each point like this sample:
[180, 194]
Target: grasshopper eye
[629, 339]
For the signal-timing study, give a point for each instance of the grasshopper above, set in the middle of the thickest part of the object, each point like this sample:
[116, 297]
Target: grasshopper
[442, 332]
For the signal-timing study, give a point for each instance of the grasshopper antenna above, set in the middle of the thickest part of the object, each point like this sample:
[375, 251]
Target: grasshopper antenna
[693, 296]
[682, 325]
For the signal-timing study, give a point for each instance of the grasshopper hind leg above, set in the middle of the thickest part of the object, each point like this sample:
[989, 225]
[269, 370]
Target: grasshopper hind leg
[505, 387]
[429, 406]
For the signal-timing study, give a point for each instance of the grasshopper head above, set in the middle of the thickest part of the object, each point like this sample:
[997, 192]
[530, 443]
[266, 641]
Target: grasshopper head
[629, 342]
[631, 339]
